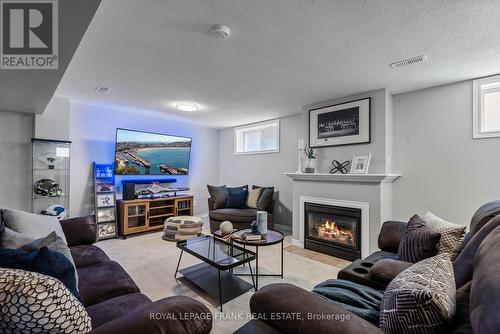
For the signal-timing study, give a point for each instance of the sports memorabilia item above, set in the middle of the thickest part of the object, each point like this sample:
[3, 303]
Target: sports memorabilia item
[47, 188]
[57, 211]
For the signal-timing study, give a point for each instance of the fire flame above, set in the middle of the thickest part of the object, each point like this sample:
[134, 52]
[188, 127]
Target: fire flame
[329, 229]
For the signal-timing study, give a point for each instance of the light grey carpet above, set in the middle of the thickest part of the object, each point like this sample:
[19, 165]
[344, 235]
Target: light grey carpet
[151, 262]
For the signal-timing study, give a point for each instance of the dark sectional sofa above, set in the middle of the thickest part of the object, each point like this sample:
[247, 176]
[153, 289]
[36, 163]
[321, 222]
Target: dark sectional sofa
[477, 277]
[113, 300]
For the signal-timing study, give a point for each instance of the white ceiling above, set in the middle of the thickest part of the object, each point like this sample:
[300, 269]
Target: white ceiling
[282, 55]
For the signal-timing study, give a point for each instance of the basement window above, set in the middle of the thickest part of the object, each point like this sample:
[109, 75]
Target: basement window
[486, 107]
[262, 137]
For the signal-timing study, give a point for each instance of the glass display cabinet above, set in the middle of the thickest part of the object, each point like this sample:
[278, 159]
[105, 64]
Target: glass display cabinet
[50, 174]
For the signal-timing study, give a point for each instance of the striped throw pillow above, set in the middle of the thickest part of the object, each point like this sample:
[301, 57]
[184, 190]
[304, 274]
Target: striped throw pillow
[419, 241]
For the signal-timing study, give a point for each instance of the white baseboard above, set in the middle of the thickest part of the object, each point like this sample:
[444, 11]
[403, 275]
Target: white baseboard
[283, 228]
[297, 243]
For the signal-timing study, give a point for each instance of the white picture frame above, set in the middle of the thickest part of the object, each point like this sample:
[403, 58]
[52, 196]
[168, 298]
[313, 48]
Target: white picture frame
[360, 163]
[106, 215]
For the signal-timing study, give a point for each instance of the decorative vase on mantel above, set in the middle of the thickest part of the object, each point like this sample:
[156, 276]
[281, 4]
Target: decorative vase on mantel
[310, 160]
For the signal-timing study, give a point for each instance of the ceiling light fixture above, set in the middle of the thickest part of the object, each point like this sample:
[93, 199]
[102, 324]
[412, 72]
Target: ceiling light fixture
[220, 31]
[186, 106]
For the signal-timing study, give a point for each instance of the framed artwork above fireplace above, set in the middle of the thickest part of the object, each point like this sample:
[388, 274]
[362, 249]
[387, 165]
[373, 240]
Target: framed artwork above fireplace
[340, 124]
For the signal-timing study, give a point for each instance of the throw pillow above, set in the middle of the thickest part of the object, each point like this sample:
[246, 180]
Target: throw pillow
[43, 261]
[11, 239]
[265, 198]
[32, 225]
[218, 195]
[419, 241]
[35, 303]
[237, 197]
[452, 235]
[421, 299]
[253, 197]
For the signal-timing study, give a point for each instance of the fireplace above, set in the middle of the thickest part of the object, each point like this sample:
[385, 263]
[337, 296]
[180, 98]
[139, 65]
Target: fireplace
[333, 230]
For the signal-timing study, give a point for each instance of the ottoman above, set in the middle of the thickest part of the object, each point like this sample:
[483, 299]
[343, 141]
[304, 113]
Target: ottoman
[182, 228]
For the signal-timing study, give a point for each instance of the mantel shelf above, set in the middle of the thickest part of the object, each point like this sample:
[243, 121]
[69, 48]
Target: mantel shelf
[362, 178]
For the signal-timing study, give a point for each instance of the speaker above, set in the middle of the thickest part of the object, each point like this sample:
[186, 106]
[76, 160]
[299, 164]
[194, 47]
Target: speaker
[128, 191]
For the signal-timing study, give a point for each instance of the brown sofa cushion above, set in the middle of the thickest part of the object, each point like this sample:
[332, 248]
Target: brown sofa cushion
[483, 215]
[386, 270]
[390, 235]
[85, 255]
[79, 231]
[219, 196]
[485, 291]
[102, 281]
[113, 308]
[464, 264]
[234, 215]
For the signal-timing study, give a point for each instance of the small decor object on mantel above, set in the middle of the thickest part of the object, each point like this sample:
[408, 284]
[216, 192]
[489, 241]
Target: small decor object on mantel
[338, 167]
[360, 164]
[340, 124]
[311, 160]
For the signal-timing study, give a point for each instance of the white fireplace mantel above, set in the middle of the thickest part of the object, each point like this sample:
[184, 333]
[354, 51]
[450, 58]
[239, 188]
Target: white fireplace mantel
[366, 178]
[370, 192]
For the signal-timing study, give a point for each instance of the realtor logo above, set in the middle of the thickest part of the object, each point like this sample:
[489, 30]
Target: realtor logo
[29, 34]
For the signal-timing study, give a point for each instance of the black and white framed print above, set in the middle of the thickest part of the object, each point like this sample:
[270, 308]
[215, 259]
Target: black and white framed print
[340, 124]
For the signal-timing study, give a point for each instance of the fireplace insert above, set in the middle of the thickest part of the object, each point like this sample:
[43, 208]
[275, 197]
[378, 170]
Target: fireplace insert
[333, 230]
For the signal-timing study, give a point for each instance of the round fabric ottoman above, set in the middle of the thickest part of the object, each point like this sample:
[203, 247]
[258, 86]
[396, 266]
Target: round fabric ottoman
[182, 228]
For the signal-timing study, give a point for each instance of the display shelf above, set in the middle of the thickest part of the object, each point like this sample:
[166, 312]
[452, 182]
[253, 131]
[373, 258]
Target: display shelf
[104, 192]
[50, 174]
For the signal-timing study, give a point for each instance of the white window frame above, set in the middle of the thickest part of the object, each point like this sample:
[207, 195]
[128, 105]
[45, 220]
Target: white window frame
[254, 125]
[479, 87]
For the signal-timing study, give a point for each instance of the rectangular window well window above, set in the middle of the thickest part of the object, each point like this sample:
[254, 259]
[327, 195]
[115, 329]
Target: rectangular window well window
[262, 137]
[486, 107]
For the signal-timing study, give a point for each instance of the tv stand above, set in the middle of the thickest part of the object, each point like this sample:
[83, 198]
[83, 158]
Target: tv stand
[147, 215]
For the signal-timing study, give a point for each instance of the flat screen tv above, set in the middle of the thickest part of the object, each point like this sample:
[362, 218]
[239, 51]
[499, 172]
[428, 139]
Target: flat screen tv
[147, 153]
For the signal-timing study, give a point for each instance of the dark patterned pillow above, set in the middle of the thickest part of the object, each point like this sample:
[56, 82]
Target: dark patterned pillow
[419, 242]
[218, 195]
[420, 299]
[36, 303]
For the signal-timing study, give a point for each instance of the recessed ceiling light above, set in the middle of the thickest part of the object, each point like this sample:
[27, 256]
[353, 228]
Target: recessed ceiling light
[186, 106]
[102, 89]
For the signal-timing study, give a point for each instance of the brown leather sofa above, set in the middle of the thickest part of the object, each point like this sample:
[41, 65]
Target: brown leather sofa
[240, 218]
[113, 300]
[286, 308]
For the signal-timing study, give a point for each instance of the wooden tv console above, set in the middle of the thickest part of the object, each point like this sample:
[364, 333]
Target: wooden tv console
[144, 215]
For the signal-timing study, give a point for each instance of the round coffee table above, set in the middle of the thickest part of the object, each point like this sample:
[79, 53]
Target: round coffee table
[272, 237]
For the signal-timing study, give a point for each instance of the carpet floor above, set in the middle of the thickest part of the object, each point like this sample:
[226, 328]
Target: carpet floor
[151, 262]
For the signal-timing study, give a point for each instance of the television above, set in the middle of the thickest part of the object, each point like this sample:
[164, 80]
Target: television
[147, 153]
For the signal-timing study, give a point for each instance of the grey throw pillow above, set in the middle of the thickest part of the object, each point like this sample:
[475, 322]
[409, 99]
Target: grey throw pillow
[420, 299]
[32, 225]
[13, 240]
[452, 235]
[219, 196]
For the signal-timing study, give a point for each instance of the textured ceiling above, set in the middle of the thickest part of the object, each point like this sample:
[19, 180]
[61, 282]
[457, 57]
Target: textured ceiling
[282, 55]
